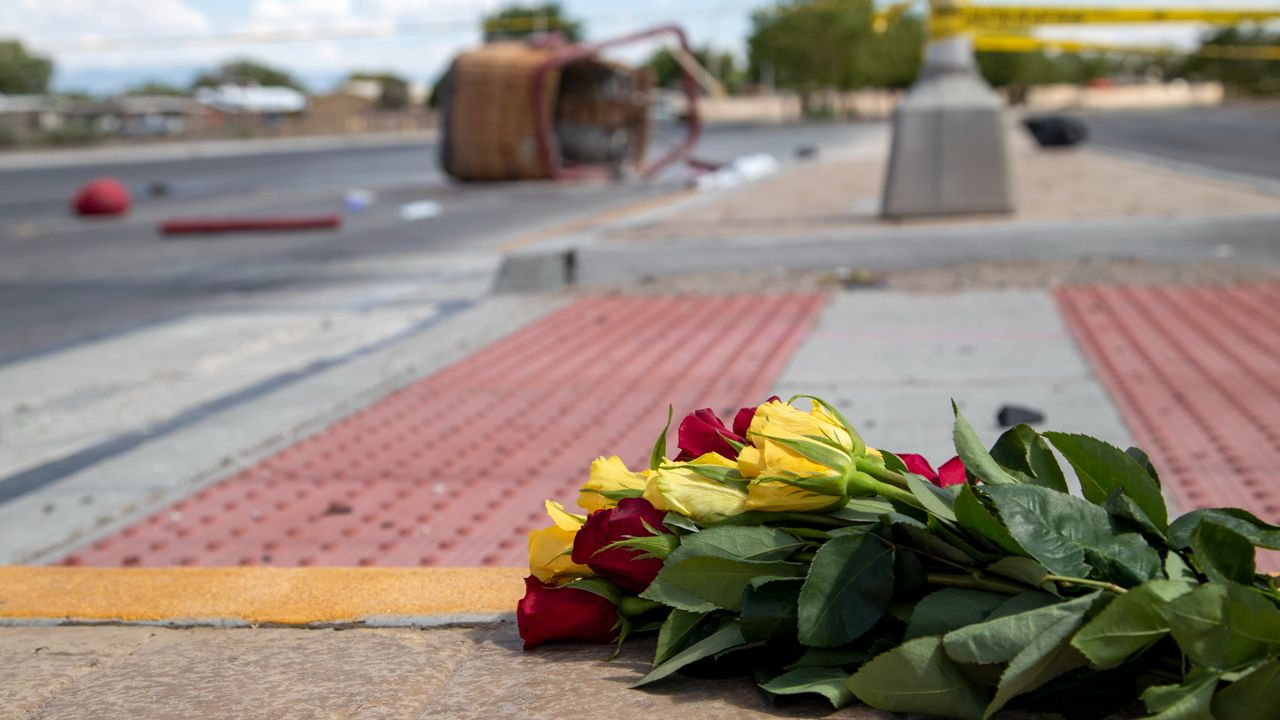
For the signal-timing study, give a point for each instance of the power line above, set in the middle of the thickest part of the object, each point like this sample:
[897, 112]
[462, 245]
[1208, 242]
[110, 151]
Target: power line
[370, 31]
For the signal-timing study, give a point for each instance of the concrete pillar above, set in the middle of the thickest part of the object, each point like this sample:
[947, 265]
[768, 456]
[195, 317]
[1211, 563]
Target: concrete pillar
[948, 153]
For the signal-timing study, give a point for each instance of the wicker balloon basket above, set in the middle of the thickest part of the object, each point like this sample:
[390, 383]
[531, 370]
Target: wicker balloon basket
[515, 111]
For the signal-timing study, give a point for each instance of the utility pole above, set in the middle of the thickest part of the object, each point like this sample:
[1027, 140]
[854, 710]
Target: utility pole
[948, 154]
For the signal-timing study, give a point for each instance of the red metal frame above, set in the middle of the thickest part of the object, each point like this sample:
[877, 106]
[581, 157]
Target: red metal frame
[547, 149]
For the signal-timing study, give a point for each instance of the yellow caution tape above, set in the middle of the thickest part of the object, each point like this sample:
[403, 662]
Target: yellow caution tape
[1023, 43]
[948, 20]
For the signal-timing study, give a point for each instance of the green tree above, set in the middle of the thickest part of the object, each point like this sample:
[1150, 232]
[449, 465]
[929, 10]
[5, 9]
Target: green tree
[517, 21]
[723, 65]
[22, 73]
[154, 87]
[393, 93]
[1016, 73]
[1240, 75]
[247, 72]
[812, 45]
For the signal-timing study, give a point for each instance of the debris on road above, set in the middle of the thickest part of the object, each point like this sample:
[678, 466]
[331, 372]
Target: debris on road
[358, 200]
[420, 210]
[250, 224]
[742, 170]
[1010, 415]
[101, 196]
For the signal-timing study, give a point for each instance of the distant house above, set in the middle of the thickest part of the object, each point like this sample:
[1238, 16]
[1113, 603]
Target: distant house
[148, 115]
[252, 100]
[28, 114]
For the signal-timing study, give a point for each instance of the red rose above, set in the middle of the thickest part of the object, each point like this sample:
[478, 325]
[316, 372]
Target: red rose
[620, 565]
[952, 471]
[702, 432]
[547, 614]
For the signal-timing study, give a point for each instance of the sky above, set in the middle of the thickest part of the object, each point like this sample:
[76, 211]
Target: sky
[103, 46]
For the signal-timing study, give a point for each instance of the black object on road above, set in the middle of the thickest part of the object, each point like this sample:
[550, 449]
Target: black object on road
[1010, 415]
[1057, 130]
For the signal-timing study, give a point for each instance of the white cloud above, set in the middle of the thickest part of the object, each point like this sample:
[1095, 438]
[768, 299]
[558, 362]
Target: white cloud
[38, 21]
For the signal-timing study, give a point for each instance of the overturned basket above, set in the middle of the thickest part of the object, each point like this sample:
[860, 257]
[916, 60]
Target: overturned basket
[521, 111]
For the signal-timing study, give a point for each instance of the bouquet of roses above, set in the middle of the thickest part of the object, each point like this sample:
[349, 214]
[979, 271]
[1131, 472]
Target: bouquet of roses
[782, 547]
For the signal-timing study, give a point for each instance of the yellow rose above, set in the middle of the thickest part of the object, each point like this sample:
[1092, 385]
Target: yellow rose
[678, 488]
[609, 475]
[783, 421]
[550, 547]
[783, 478]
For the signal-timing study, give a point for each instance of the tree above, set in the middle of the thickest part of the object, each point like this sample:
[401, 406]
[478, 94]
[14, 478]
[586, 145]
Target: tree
[1018, 72]
[1241, 75]
[22, 73]
[247, 72]
[517, 21]
[154, 87]
[393, 93]
[723, 65]
[811, 45]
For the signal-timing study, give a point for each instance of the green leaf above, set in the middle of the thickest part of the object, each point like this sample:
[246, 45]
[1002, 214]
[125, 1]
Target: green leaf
[1022, 449]
[1024, 570]
[917, 677]
[1131, 623]
[1252, 696]
[1047, 656]
[830, 657]
[914, 536]
[934, 499]
[1223, 554]
[1256, 531]
[1123, 508]
[1225, 627]
[759, 542]
[597, 586]
[949, 609]
[769, 609]
[675, 633]
[1188, 701]
[977, 460]
[849, 585]
[1102, 468]
[659, 453]
[675, 521]
[827, 682]
[1139, 456]
[1024, 602]
[1073, 537]
[975, 517]
[705, 582]
[726, 638]
[894, 463]
[1002, 638]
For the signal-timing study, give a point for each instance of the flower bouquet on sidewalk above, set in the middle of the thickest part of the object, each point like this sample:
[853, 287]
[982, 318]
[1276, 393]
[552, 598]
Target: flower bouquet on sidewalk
[781, 547]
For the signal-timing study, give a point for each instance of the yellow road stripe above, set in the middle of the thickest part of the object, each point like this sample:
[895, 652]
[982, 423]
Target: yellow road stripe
[600, 218]
[256, 595]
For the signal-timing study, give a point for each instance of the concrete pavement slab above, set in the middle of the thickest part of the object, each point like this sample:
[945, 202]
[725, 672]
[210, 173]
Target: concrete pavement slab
[893, 361]
[38, 663]
[265, 673]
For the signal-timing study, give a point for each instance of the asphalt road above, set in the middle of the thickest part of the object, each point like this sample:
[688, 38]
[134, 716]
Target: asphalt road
[64, 280]
[1241, 139]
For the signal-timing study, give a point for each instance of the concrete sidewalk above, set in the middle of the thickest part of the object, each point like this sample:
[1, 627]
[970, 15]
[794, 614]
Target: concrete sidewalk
[412, 428]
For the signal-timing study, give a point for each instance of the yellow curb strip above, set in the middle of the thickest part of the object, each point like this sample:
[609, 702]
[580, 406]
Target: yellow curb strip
[257, 595]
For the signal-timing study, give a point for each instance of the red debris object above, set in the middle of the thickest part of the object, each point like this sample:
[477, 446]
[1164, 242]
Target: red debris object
[452, 470]
[269, 224]
[1195, 372]
[101, 196]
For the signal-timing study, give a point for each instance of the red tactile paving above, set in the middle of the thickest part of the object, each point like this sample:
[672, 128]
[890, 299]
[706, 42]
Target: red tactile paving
[453, 469]
[1196, 374]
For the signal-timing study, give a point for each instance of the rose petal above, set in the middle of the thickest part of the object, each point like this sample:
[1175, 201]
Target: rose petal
[952, 472]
